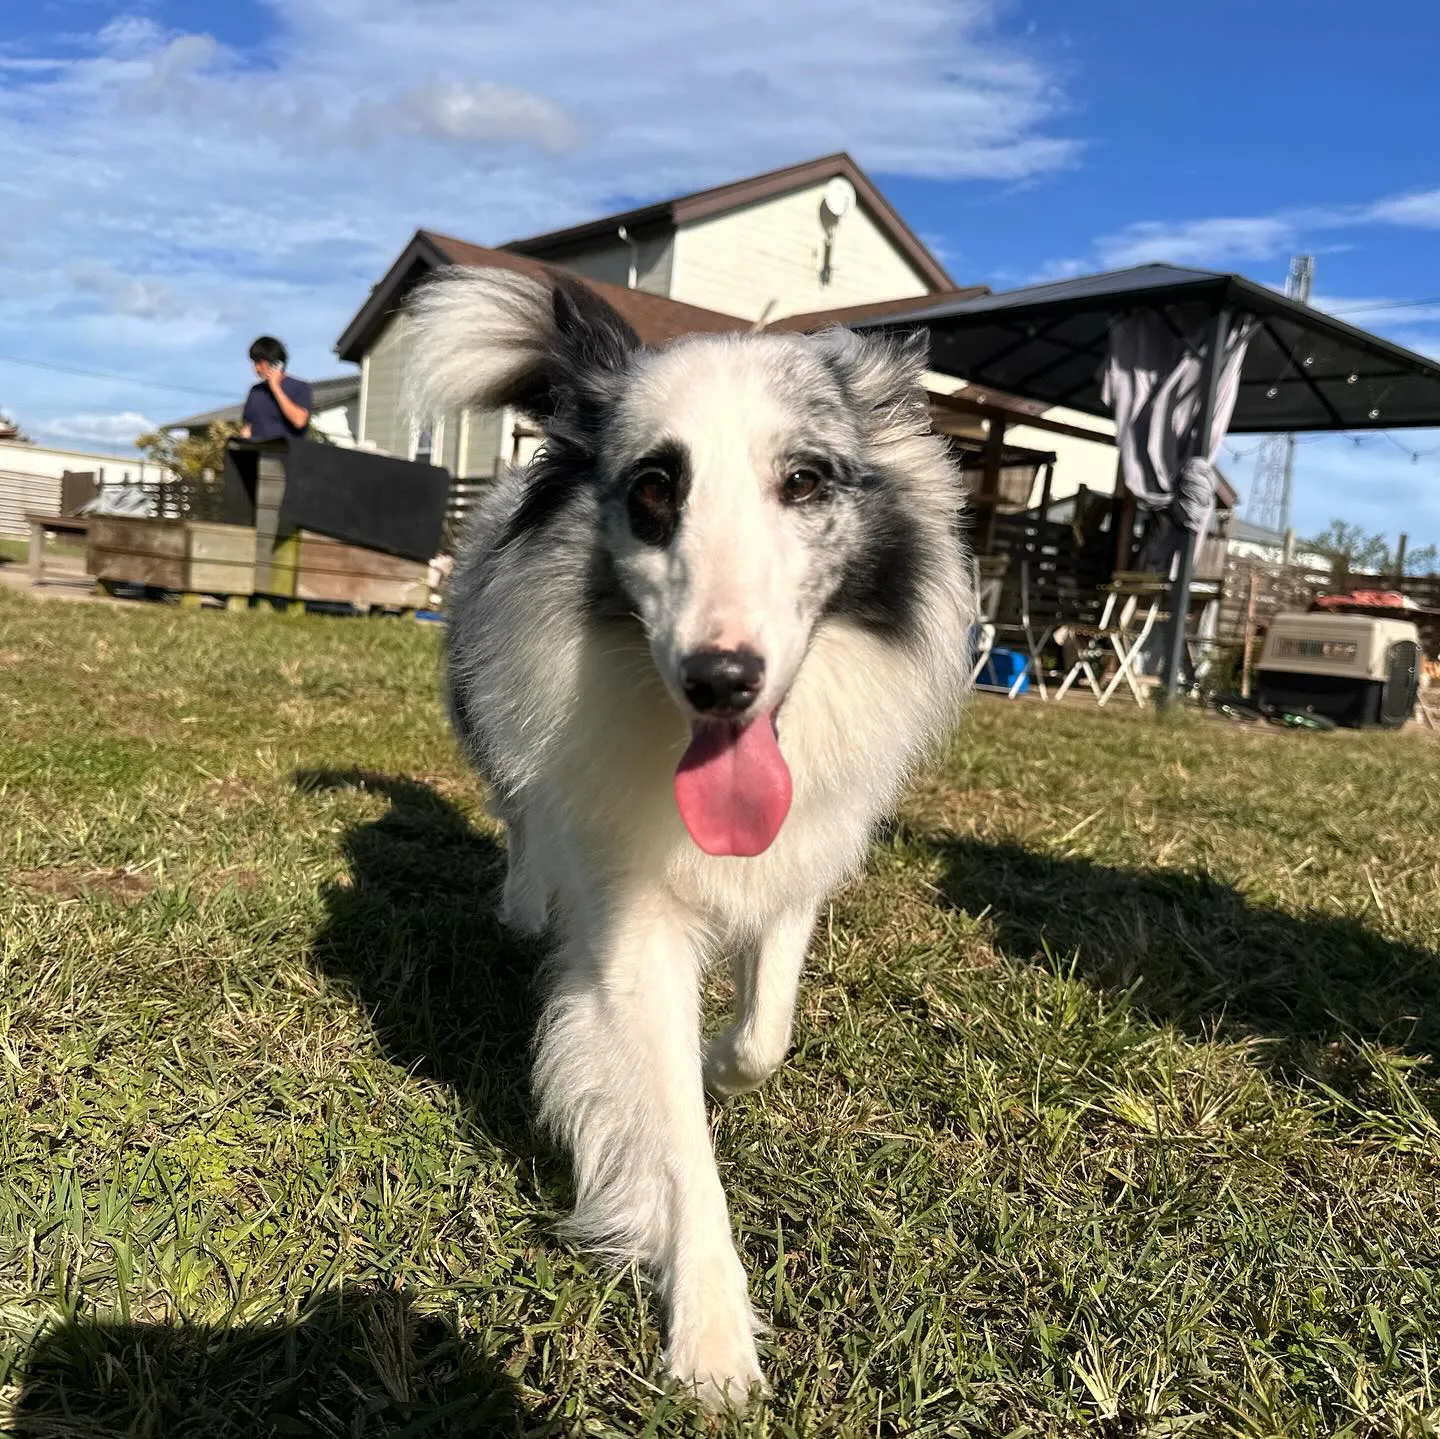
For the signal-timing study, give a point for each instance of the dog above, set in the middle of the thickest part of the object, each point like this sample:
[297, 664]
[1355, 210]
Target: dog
[694, 649]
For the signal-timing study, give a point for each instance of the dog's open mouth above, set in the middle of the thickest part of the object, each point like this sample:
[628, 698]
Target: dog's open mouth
[733, 786]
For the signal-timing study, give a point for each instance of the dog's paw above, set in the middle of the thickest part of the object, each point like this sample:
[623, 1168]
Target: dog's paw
[712, 1334]
[523, 909]
[524, 921]
[733, 1067]
[719, 1365]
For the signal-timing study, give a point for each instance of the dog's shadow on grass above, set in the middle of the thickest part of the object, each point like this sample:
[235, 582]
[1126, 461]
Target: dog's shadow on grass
[1196, 953]
[361, 1362]
[451, 996]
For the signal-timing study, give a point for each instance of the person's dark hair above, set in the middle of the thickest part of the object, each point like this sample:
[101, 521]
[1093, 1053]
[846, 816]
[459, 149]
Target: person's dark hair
[269, 349]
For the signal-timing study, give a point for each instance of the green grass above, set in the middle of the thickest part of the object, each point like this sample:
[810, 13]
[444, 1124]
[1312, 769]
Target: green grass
[17, 552]
[1113, 1109]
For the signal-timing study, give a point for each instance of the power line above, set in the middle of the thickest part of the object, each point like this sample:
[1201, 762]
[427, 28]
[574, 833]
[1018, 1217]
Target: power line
[1388, 305]
[112, 375]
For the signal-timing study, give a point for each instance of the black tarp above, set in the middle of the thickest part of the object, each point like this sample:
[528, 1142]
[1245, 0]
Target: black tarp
[384, 503]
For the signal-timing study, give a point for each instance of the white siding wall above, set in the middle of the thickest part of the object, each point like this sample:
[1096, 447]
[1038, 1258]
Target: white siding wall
[1077, 462]
[338, 423]
[611, 262]
[739, 262]
[449, 456]
[485, 447]
[387, 427]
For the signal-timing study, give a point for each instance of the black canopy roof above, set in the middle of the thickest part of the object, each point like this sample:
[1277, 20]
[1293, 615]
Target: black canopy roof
[1304, 369]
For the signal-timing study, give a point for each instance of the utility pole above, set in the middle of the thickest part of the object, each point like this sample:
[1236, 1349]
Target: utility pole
[1269, 504]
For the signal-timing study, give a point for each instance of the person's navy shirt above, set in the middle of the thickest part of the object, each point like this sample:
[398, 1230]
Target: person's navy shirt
[263, 414]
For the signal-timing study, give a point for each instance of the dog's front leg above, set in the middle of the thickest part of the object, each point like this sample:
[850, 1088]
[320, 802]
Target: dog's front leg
[618, 1074]
[525, 899]
[767, 978]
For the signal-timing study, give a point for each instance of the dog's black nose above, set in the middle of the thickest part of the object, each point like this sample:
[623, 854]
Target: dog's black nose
[722, 683]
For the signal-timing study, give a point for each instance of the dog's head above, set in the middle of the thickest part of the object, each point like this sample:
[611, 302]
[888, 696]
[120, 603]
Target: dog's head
[746, 488]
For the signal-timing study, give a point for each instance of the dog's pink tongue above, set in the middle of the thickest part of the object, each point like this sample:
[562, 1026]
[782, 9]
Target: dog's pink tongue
[733, 787]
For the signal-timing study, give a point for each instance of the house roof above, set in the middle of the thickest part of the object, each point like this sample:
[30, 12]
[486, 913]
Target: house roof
[337, 390]
[875, 310]
[685, 209]
[656, 319]
[1303, 370]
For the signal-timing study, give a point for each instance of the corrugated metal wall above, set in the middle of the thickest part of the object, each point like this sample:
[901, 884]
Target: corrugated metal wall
[19, 493]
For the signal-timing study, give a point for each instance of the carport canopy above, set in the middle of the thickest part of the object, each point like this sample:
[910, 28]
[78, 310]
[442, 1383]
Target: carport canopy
[1303, 369]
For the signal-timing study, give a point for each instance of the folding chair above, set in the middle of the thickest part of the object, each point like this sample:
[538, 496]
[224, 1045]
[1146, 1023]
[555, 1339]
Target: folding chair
[1427, 706]
[1118, 635]
[1036, 633]
[987, 574]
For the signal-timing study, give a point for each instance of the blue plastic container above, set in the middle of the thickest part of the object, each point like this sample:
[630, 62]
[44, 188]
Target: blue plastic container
[1002, 668]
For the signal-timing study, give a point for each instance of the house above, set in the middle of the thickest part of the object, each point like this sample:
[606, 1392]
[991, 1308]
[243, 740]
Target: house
[31, 478]
[336, 416]
[796, 249]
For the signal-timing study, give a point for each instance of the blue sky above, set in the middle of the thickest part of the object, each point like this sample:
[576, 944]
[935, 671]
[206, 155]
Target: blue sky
[179, 177]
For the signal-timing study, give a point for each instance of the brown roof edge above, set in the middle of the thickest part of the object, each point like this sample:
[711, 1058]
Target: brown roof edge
[703, 203]
[654, 318]
[874, 310]
[382, 299]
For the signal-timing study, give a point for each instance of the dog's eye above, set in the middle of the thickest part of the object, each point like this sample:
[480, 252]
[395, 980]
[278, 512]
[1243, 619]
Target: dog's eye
[801, 484]
[654, 505]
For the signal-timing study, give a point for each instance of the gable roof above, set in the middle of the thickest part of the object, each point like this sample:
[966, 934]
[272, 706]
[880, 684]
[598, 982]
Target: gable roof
[328, 393]
[685, 209]
[656, 319]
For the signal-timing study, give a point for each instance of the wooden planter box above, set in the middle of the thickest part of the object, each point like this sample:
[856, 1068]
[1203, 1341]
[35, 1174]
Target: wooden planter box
[221, 559]
[137, 552]
[330, 570]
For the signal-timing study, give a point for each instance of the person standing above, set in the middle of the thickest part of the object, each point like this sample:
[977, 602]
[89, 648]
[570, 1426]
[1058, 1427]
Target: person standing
[279, 406]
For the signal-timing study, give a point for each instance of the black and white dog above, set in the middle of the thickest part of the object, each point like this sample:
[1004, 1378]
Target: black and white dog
[695, 649]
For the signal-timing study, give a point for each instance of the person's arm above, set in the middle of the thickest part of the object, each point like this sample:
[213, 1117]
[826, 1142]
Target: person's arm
[296, 416]
[245, 430]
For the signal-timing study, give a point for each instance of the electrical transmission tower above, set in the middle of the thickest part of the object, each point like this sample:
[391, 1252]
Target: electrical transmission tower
[1269, 504]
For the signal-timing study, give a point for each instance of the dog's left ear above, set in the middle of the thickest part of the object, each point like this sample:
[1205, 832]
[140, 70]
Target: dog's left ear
[590, 335]
[487, 337]
[884, 377]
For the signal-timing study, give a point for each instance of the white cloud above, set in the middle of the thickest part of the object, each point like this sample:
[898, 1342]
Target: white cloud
[1225, 241]
[166, 198]
[1420, 208]
[486, 113]
[109, 430]
[1238, 239]
[145, 299]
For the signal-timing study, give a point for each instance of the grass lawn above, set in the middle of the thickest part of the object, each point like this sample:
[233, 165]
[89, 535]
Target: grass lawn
[1113, 1109]
[17, 552]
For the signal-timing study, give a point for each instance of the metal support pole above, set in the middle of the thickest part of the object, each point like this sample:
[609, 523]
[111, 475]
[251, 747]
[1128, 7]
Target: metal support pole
[1180, 591]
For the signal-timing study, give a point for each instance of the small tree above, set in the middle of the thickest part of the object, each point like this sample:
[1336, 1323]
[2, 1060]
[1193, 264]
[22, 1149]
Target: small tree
[1351, 551]
[197, 462]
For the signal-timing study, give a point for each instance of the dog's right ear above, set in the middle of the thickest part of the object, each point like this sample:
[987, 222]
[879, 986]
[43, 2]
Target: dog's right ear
[487, 337]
